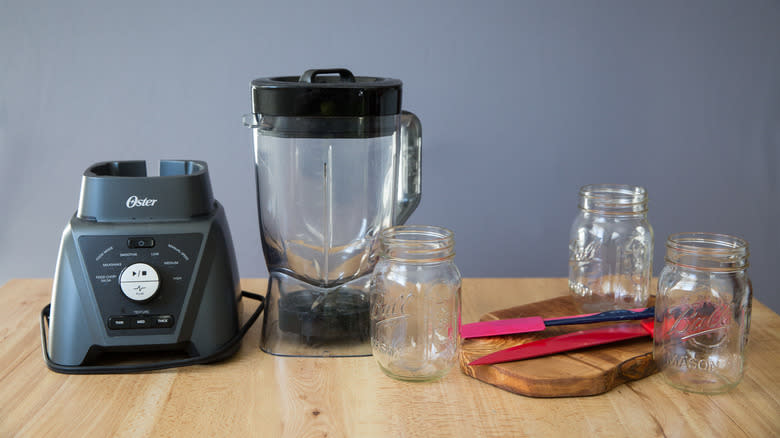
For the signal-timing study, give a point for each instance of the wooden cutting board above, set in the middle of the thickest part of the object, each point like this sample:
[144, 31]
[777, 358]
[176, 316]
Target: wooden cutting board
[590, 371]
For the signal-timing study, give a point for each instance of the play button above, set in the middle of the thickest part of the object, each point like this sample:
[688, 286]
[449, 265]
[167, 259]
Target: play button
[139, 282]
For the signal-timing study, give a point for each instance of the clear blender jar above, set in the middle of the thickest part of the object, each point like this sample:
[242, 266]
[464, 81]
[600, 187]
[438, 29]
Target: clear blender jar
[336, 162]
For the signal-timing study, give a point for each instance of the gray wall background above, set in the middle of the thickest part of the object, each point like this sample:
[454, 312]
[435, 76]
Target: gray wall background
[521, 102]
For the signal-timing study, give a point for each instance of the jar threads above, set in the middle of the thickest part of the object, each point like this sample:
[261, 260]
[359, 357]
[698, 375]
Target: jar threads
[418, 243]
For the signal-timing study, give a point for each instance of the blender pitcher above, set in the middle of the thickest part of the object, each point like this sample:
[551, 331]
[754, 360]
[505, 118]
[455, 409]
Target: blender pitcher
[336, 161]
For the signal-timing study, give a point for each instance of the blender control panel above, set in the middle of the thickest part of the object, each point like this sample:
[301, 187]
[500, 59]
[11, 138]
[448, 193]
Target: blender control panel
[140, 281]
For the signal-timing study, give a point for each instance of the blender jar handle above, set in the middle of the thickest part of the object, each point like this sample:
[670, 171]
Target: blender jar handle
[409, 168]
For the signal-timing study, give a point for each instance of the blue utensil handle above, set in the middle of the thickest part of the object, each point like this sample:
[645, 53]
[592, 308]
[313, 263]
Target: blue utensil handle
[609, 315]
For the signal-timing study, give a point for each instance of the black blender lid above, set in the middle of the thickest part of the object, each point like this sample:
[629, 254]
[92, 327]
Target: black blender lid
[326, 93]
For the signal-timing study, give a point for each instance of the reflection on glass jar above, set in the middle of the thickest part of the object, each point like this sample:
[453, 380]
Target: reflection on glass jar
[611, 248]
[415, 303]
[703, 312]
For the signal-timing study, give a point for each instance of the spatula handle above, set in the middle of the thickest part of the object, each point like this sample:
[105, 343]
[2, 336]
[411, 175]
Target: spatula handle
[609, 315]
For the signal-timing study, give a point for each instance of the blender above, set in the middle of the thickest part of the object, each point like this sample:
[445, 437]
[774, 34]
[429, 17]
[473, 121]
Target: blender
[336, 161]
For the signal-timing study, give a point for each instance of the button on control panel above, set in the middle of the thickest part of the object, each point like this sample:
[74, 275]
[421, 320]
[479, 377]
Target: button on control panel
[140, 242]
[141, 322]
[139, 282]
[123, 322]
[119, 322]
[162, 321]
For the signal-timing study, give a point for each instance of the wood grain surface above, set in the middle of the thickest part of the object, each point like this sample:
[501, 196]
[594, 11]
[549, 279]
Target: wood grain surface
[255, 394]
[591, 371]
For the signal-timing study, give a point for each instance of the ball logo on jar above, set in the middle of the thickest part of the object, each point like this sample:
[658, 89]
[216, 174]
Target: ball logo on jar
[705, 323]
[385, 307]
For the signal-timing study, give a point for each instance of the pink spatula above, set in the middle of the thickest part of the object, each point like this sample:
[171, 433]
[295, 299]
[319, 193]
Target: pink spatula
[569, 342]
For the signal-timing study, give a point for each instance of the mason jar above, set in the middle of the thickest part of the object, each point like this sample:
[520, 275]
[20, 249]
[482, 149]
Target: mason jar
[702, 312]
[611, 248]
[415, 303]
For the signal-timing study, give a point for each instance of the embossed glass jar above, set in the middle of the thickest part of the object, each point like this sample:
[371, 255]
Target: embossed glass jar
[415, 303]
[611, 248]
[703, 312]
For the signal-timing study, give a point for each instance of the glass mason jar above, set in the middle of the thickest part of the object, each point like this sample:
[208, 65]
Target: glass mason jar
[415, 303]
[611, 249]
[702, 312]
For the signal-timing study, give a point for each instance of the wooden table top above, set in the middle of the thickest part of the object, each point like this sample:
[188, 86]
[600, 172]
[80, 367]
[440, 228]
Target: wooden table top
[256, 394]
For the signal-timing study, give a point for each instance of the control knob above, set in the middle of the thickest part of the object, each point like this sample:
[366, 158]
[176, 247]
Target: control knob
[139, 282]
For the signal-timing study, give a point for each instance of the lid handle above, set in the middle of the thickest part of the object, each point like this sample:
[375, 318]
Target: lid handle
[310, 76]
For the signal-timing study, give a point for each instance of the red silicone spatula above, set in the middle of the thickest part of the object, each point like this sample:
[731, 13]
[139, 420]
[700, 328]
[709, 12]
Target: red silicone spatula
[569, 342]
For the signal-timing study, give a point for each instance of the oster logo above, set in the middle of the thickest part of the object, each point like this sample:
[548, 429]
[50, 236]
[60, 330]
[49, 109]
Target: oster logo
[135, 201]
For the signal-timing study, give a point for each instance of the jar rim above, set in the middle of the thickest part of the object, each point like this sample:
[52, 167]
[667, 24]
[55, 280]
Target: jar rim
[711, 252]
[613, 199]
[623, 194]
[418, 242]
[707, 243]
[416, 234]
